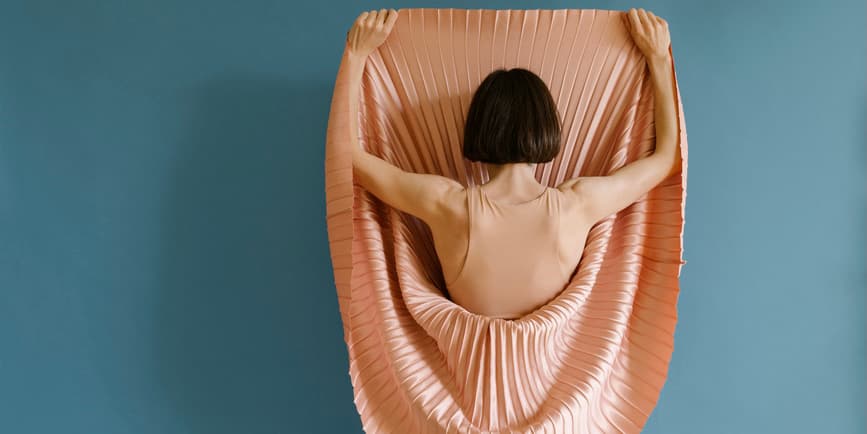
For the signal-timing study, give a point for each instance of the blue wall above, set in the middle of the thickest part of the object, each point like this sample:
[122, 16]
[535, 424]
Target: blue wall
[163, 255]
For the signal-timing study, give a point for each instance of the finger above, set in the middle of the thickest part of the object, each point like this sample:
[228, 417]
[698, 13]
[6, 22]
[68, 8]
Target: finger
[642, 18]
[635, 21]
[353, 39]
[383, 14]
[361, 19]
[647, 23]
[652, 21]
[655, 19]
[392, 17]
[371, 18]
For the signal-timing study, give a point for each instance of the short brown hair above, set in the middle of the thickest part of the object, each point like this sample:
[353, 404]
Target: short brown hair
[512, 119]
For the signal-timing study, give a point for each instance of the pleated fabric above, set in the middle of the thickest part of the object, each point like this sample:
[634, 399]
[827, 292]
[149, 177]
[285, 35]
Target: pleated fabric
[595, 358]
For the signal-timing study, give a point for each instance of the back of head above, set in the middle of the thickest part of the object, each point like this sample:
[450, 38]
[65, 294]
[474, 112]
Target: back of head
[512, 119]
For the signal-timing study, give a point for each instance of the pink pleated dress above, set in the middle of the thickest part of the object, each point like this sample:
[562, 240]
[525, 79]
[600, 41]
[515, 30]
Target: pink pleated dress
[591, 360]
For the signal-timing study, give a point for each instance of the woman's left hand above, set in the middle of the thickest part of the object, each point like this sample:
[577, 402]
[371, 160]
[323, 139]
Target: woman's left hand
[370, 30]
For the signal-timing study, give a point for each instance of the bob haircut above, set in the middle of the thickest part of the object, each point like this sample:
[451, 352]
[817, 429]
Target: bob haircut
[512, 119]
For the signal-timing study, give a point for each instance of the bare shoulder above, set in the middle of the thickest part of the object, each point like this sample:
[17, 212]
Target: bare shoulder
[451, 203]
[575, 204]
[454, 201]
[567, 184]
[570, 199]
[453, 213]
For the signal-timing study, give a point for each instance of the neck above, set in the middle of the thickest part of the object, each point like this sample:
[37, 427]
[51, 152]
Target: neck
[513, 177]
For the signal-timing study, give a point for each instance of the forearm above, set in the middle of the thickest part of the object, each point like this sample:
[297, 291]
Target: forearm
[665, 110]
[369, 168]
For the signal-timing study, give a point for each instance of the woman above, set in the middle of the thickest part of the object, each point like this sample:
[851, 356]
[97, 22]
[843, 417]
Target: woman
[509, 246]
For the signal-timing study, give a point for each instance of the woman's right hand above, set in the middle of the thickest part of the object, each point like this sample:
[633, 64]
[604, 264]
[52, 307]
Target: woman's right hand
[649, 32]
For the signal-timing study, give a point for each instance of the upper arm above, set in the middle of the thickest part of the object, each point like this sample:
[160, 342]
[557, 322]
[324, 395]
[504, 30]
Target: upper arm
[601, 196]
[425, 196]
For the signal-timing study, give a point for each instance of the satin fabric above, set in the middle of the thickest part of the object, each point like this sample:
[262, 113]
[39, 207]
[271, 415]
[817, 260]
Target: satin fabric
[594, 359]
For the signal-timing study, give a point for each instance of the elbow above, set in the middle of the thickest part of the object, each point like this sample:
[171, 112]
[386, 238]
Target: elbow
[675, 162]
[669, 154]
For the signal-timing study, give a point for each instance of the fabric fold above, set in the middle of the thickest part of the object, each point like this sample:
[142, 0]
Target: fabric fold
[592, 360]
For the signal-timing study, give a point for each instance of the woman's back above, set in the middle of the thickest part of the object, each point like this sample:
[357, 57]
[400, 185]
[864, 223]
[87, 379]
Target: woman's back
[502, 259]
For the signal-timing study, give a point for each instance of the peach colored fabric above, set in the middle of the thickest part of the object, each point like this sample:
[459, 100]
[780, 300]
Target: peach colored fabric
[593, 359]
[512, 265]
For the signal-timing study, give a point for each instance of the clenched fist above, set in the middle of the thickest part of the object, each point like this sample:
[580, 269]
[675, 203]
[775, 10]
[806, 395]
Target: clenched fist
[370, 30]
[649, 32]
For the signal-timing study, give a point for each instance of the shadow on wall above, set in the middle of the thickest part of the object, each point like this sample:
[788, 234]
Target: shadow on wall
[244, 333]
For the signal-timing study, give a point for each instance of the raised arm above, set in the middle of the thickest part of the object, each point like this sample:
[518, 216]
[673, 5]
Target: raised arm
[425, 196]
[600, 196]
